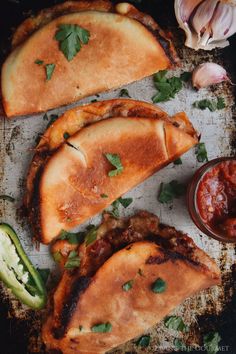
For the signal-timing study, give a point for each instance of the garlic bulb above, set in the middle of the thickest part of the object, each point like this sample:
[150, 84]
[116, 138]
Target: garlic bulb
[207, 23]
[207, 74]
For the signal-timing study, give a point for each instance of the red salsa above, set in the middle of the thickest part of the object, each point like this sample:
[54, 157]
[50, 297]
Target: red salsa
[216, 198]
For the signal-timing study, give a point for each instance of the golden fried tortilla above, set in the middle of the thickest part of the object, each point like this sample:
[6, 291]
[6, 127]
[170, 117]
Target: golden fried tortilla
[109, 60]
[150, 251]
[75, 178]
[75, 119]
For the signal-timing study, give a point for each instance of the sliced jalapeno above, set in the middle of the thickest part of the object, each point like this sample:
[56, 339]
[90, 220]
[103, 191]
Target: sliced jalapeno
[17, 272]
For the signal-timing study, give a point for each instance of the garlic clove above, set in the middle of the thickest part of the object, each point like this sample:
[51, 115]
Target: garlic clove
[184, 8]
[207, 23]
[208, 74]
[221, 21]
[203, 16]
[183, 11]
[232, 29]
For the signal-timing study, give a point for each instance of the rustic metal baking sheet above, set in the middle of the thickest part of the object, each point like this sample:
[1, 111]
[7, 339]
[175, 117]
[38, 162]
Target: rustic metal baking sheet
[213, 309]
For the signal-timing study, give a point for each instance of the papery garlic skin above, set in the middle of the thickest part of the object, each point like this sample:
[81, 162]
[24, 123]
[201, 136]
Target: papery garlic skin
[208, 74]
[207, 24]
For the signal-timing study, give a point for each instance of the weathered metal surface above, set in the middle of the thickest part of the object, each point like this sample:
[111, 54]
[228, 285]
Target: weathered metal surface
[207, 310]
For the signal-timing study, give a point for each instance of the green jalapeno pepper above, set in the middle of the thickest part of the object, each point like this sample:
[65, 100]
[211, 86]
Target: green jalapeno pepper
[17, 272]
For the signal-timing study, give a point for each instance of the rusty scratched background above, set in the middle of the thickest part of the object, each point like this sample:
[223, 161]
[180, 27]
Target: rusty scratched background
[214, 309]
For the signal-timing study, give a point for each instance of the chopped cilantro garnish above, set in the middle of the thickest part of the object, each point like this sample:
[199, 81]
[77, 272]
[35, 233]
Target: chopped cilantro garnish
[211, 342]
[124, 93]
[128, 285]
[102, 328]
[39, 62]
[167, 88]
[91, 236]
[159, 286]
[179, 344]
[125, 202]
[115, 160]
[176, 323]
[143, 341]
[53, 118]
[70, 38]
[71, 237]
[66, 135]
[201, 152]
[178, 162]
[212, 105]
[169, 191]
[49, 71]
[186, 76]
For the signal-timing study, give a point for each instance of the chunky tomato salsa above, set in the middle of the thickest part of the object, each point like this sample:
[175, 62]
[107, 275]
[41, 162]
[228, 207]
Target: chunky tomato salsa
[216, 198]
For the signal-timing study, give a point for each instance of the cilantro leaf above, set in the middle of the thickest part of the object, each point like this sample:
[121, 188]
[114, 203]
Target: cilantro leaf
[91, 236]
[178, 162]
[143, 341]
[115, 209]
[44, 273]
[53, 118]
[70, 38]
[39, 62]
[72, 238]
[128, 285]
[176, 323]
[201, 152]
[73, 260]
[159, 286]
[220, 103]
[212, 105]
[179, 344]
[186, 76]
[169, 191]
[124, 93]
[45, 116]
[102, 327]
[125, 202]
[115, 160]
[211, 342]
[103, 195]
[7, 197]
[167, 88]
[49, 71]
[66, 135]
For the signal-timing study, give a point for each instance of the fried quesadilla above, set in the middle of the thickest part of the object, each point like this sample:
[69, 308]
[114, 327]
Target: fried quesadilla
[130, 277]
[77, 49]
[66, 185]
